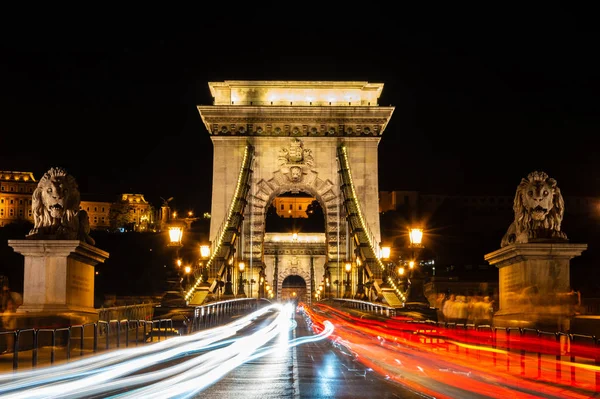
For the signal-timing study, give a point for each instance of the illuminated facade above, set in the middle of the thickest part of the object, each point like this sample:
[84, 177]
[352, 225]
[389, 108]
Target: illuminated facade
[98, 212]
[16, 190]
[292, 207]
[142, 213]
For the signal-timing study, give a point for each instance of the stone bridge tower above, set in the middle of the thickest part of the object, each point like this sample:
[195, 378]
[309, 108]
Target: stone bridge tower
[295, 129]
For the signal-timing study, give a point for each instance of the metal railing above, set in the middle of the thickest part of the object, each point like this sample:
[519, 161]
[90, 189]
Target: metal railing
[375, 308]
[143, 311]
[48, 345]
[31, 347]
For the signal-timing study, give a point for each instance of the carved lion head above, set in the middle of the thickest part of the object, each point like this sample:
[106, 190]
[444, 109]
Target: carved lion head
[56, 199]
[538, 203]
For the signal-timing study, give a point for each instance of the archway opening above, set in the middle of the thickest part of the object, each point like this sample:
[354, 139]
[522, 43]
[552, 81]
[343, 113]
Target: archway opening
[295, 213]
[293, 288]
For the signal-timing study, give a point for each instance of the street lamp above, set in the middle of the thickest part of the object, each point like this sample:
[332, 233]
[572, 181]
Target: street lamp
[416, 237]
[241, 292]
[348, 268]
[187, 271]
[416, 278]
[175, 236]
[175, 240]
[204, 254]
[228, 284]
[261, 285]
[386, 252]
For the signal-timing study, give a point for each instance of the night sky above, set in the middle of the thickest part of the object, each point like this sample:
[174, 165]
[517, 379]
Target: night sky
[482, 96]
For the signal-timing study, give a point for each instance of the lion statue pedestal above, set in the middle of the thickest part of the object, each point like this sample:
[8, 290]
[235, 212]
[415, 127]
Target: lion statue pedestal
[534, 260]
[60, 257]
[533, 279]
[59, 280]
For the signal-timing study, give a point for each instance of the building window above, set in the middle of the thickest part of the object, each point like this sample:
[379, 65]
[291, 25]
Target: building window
[11, 212]
[12, 189]
[2, 188]
[12, 201]
[95, 209]
[1, 212]
[20, 202]
[2, 201]
[282, 207]
[299, 207]
[20, 212]
[102, 209]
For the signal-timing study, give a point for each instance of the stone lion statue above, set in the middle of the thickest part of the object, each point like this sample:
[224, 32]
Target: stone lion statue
[55, 206]
[539, 208]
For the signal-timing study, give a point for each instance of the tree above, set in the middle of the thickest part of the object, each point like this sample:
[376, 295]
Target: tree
[316, 217]
[121, 215]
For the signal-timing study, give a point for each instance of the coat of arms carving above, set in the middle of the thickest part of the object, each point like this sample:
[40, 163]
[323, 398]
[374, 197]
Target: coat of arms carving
[295, 159]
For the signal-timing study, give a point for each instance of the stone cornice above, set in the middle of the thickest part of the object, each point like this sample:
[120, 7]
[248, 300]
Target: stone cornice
[521, 252]
[47, 248]
[304, 121]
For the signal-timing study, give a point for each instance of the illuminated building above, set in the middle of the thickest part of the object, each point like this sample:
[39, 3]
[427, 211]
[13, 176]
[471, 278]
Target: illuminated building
[16, 190]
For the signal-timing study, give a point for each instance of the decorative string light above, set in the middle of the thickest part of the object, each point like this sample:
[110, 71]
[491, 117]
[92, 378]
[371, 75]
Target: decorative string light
[248, 152]
[363, 225]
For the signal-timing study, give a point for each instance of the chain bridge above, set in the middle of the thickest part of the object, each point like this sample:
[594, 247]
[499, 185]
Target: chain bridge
[275, 137]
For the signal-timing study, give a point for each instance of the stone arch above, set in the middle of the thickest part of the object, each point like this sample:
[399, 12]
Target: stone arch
[303, 274]
[325, 191]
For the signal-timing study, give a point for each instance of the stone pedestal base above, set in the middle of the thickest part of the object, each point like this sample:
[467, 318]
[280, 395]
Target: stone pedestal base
[534, 284]
[59, 280]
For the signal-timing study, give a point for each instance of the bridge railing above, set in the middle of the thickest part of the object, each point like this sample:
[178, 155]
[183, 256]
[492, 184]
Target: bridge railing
[31, 346]
[142, 311]
[375, 308]
[528, 352]
[218, 313]
[562, 358]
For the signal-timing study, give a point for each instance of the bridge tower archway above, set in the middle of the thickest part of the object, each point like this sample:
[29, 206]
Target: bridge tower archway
[295, 130]
[294, 288]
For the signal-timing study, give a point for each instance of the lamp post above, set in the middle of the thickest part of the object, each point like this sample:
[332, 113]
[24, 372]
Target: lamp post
[204, 255]
[385, 255]
[228, 284]
[348, 268]
[241, 292]
[261, 284]
[175, 240]
[416, 279]
[187, 271]
[176, 237]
